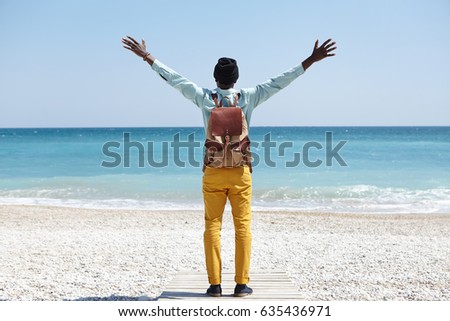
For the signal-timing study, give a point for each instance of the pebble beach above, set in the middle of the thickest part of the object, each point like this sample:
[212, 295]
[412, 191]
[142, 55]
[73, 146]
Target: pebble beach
[63, 253]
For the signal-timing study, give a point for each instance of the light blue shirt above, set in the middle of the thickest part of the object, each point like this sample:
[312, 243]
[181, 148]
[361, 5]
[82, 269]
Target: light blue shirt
[249, 99]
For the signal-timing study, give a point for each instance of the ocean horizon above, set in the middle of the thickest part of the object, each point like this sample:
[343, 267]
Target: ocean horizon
[345, 169]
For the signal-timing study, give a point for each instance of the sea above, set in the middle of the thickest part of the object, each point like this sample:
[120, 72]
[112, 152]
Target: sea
[373, 170]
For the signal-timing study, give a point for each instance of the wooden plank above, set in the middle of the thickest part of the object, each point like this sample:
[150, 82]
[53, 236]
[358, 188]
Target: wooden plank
[266, 285]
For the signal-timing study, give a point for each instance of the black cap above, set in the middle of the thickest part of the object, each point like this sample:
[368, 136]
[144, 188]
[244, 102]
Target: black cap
[226, 71]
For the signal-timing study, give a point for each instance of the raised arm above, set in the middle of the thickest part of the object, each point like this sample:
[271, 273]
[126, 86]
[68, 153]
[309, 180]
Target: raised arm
[139, 49]
[186, 87]
[267, 89]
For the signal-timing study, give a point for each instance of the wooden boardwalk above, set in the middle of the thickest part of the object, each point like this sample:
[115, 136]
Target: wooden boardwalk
[270, 285]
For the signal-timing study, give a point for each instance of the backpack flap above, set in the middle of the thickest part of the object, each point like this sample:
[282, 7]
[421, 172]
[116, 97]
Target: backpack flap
[226, 121]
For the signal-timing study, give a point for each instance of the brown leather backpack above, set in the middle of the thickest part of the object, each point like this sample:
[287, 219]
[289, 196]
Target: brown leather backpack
[227, 143]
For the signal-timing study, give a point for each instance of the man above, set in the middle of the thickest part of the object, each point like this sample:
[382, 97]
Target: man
[232, 183]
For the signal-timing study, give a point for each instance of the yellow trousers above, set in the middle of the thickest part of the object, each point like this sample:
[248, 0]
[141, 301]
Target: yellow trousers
[220, 184]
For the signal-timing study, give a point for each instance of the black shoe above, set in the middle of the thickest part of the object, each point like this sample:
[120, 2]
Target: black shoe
[242, 290]
[214, 290]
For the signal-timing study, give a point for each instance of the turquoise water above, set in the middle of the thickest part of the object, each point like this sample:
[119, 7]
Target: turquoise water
[374, 169]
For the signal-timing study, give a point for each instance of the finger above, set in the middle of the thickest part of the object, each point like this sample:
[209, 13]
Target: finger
[131, 45]
[331, 55]
[127, 48]
[133, 40]
[143, 41]
[331, 49]
[316, 44]
[127, 42]
[325, 43]
[330, 45]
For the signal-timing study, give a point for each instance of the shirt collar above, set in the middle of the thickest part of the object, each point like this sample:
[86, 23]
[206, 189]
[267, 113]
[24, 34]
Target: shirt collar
[226, 92]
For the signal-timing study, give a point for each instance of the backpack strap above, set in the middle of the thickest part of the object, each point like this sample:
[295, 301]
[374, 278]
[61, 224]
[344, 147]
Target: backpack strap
[214, 97]
[236, 97]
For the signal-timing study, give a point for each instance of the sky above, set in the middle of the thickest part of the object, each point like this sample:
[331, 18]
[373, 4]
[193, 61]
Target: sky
[62, 63]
